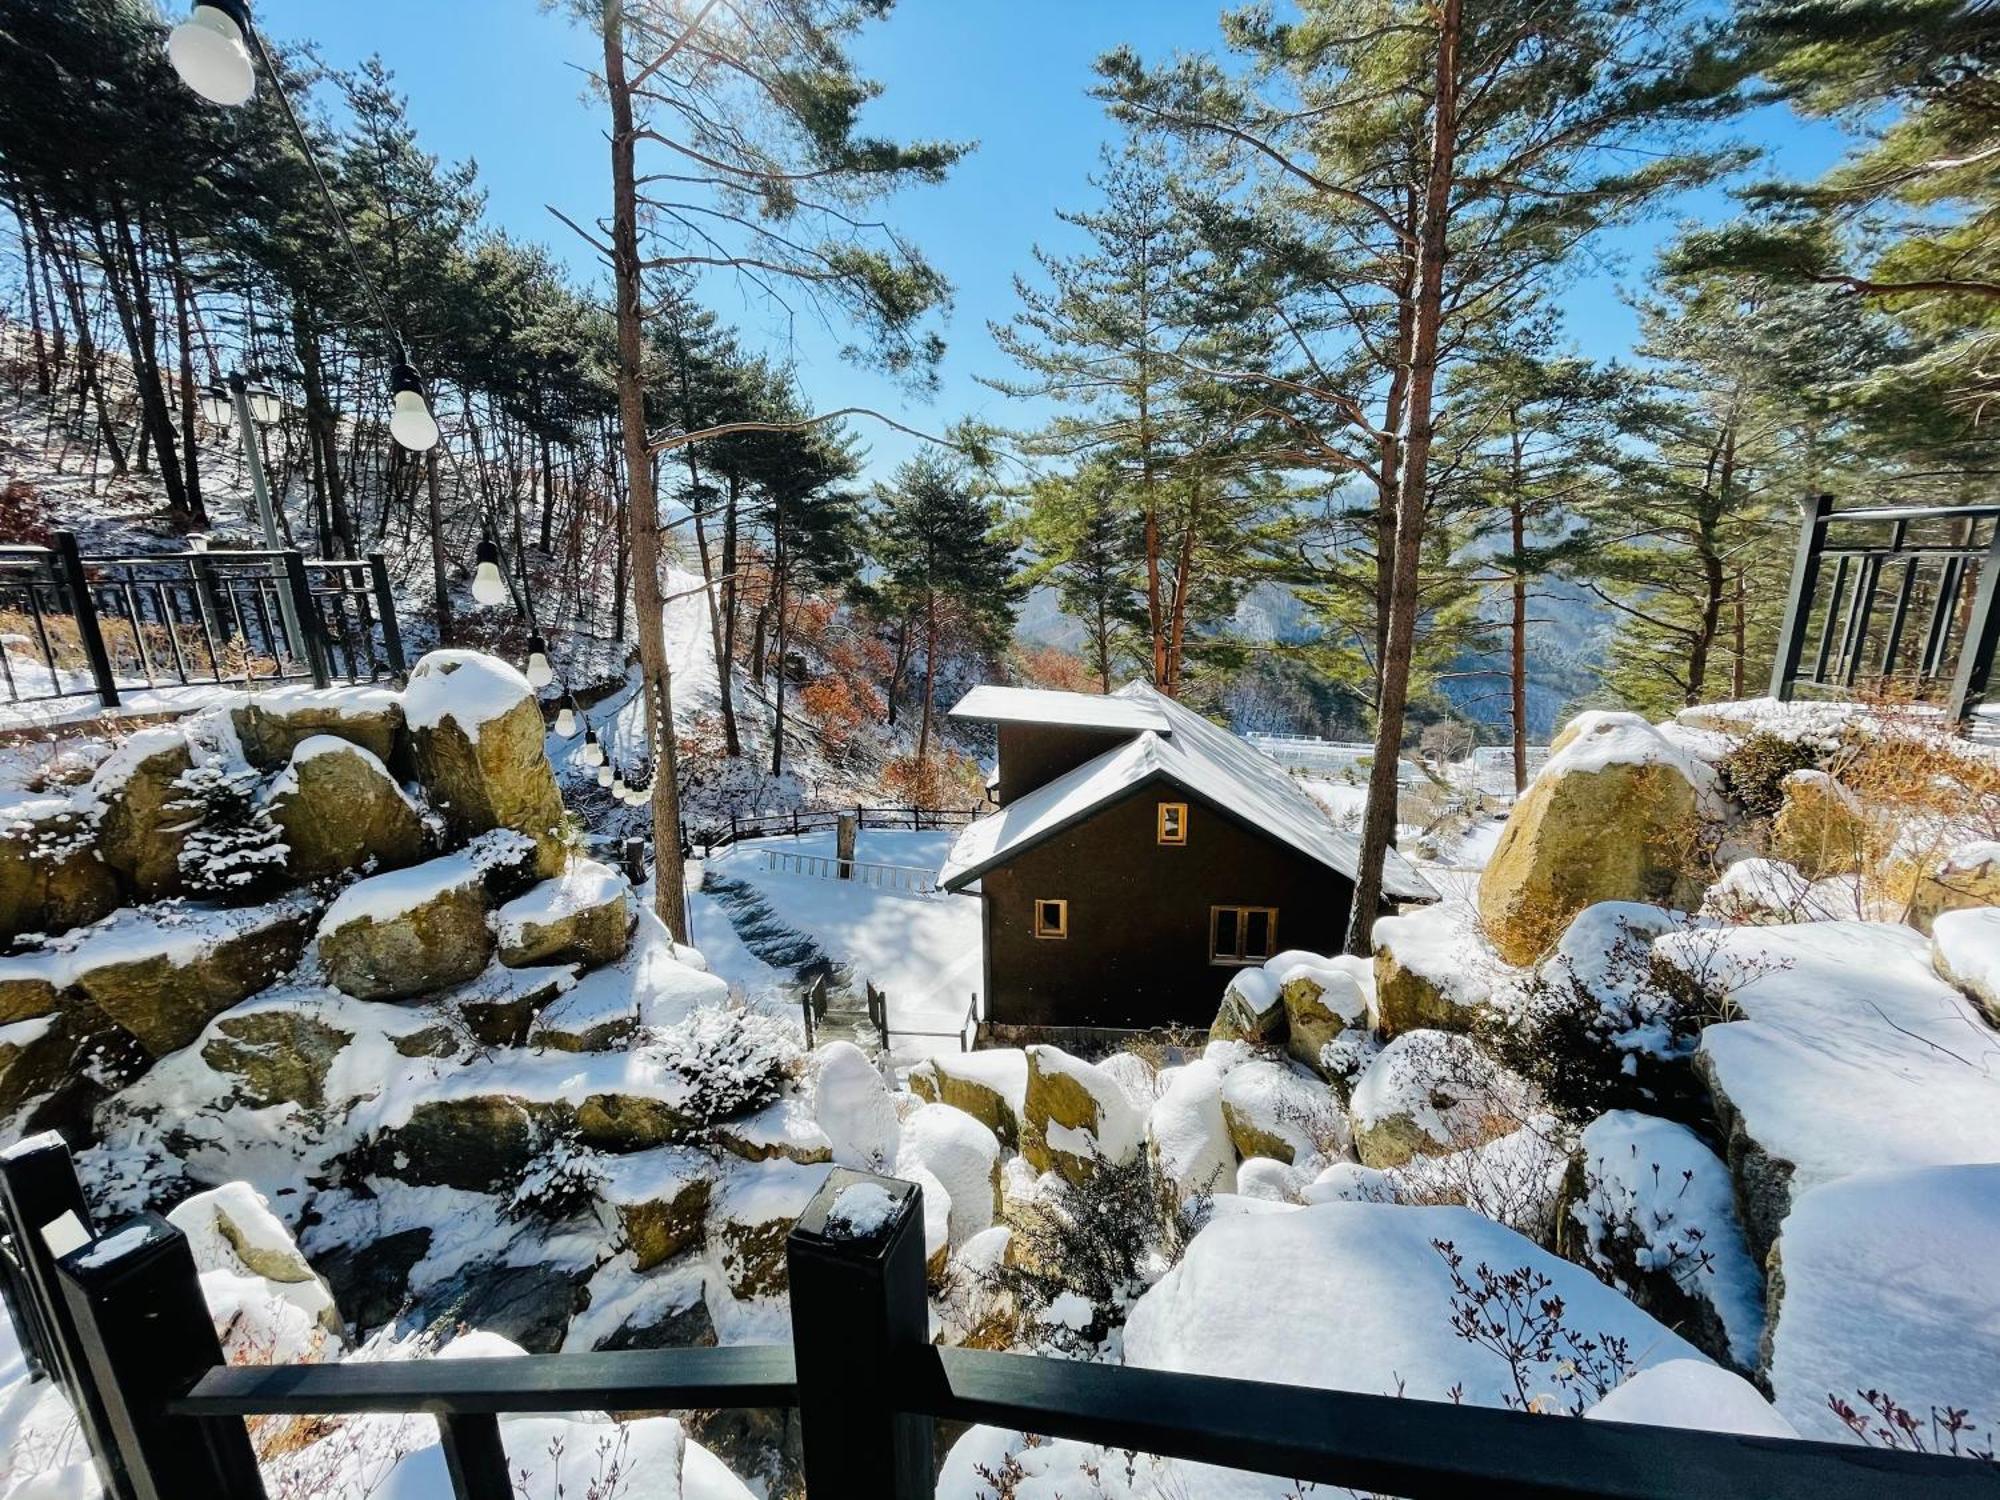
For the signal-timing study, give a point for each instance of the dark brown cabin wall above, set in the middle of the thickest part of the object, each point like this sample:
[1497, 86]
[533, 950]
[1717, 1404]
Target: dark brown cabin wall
[1137, 950]
[1033, 755]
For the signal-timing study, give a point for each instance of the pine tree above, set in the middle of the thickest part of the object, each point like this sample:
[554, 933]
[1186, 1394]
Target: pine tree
[1087, 545]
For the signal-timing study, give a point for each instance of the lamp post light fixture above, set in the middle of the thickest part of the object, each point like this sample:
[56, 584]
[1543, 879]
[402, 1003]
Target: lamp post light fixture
[265, 407]
[488, 587]
[540, 672]
[593, 749]
[215, 406]
[211, 53]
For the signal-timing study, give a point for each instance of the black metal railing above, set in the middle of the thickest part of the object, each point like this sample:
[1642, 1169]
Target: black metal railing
[73, 626]
[118, 1319]
[1909, 609]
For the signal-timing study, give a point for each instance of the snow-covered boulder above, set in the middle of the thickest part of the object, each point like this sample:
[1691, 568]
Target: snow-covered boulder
[1428, 971]
[661, 1200]
[1076, 1115]
[339, 810]
[1883, 1282]
[599, 1014]
[990, 1085]
[936, 1200]
[1845, 1052]
[1687, 1393]
[35, 1056]
[162, 973]
[232, 1228]
[750, 1213]
[1350, 1182]
[1360, 1297]
[51, 878]
[270, 726]
[1273, 1112]
[581, 916]
[1271, 1180]
[477, 736]
[851, 1103]
[1769, 892]
[1965, 949]
[964, 1156]
[142, 823]
[1821, 828]
[1652, 1209]
[1967, 876]
[1430, 1092]
[283, 1046]
[1252, 1010]
[410, 931]
[1327, 1001]
[499, 1005]
[783, 1128]
[1602, 822]
[1188, 1135]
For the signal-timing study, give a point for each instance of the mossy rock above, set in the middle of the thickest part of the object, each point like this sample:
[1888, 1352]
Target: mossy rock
[167, 996]
[1821, 828]
[1582, 836]
[582, 917]
[1318, 1009]
[271, 727]
[32, 985]
[277, 1055]
[935, 1080]
[436, 939]
[499, 1006]
[51, 878]
[1407, 1000]
[143, 825]
[662, 1212]
[1252, 1010]
[481, 1144]
[340, 810]
[630, 1122]
[1965, 878]
[480, 756]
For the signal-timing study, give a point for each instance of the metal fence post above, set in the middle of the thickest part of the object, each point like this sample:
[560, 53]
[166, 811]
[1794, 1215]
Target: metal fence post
[385, 606]
[70, 560]
[145, 1337]
[1982, 635]
[859, 1310]
[1799, 601]
[308, 637]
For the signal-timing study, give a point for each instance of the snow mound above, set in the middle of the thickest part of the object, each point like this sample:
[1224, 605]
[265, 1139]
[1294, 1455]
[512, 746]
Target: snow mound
[963, 1155]
[1188, 1134]
[1888, 1286]
[1682, 1393]
[853, 1107]
[1359, 1297]
[583, 885]
[1965, 948]
[469, 688]
[1598, 739]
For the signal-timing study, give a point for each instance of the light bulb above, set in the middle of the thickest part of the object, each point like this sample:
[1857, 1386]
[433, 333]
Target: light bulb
[565, 721]
[593, 751]
[207, 51]
[488, 587]
[539, 673]
[412, 424]
[604, 774]
[637, 796]
[618, 787]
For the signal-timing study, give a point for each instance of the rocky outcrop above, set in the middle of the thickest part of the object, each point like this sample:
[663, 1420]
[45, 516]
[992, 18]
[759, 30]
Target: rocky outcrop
[51, 878]
[1429, 1093]
[281, 1047]
[1322, 1003]
[1272, 1112]
[271, 726]
[1426, 974]
[477, 737]
[583, 916]
[661, 1201]
[340, 810]
[1969, 876]
[1076, 1116]
[782, 1130]
[143, 821]
[1612, 817]
[500, 1005]
[991, 1086]
[162, 975]
[1252, 1010]
[408, 933]
[1820, 829]
[478, 1142]
[1763, 1179]
[750, 1215]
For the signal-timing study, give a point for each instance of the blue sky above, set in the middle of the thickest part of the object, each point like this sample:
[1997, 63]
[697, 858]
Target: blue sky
[499, 81]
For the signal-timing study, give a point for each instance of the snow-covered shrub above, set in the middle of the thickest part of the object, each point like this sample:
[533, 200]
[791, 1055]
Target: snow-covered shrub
[735, 1061]
[1753, 773]
[1082, 1252]
[237, 853]
[559, 1182]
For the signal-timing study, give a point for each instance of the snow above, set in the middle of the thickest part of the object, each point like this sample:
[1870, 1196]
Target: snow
[467, 688]
[1120, 1124]
[1686, 1393]
[180, 932]
[533, 1077]
[1356, 1296]
[1848, 1052]
[860, 1210]
[1652, 1189]
[232, 1226]
[1600, 739]
[1188, 1135]
[583, 885]
[1274, 1181]
[1771, 890]
[991, 704]
[1440, 1080]
[1443, 944]
[852, 1105]
[1605, 954]
[1965, 948]
[1888, 1286]
[666, 986]
[1003, 1070]
[1277, 1100]
[1197, 757]
[654, 1176]
[963, 1155]
[384, 898]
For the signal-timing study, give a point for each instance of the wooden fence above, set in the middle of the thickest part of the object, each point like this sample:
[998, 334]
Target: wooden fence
[118, 1319]
[901, 880]
[798, 821]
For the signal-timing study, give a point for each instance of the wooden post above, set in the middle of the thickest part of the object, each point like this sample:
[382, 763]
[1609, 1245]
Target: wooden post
[859, 1310]
[70, 563]
[385, 606]
[145, 1337]
[1799, 602]
[1982, 634]
[300, 612]
[635, 860]
[845, 829]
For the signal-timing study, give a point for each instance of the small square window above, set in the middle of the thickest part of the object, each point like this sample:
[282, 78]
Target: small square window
[1051, 919]
[1173, 822]
[1242, 935]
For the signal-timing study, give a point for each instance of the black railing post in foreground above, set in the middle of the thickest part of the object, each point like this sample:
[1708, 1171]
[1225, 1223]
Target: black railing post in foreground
[1799, 602]
[1982, 635]
[144, 1337]
[70, 562]
[859, 1309]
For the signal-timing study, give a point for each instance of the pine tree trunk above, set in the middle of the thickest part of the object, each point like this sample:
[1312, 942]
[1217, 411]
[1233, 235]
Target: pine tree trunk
[642, 509]
[126, 274]
[1378, 829]
[184, 338]
[1517, 633]
[440, 590]
[725, 662]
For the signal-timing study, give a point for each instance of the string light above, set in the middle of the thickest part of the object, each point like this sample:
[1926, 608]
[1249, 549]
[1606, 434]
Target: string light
[488, 587]
[540, 672]
[593, 750]
[566, 717]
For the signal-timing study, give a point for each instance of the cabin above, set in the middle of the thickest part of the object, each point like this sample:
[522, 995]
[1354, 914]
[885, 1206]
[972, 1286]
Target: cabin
[1138, 854]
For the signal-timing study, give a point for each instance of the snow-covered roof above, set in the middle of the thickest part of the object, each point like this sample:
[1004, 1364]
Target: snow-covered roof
[1195, 754]
[1011, 705]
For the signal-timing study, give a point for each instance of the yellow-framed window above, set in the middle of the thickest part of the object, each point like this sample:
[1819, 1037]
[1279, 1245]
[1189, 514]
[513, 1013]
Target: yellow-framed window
[1242, 935]
[1173, 823]
[1051, 918]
